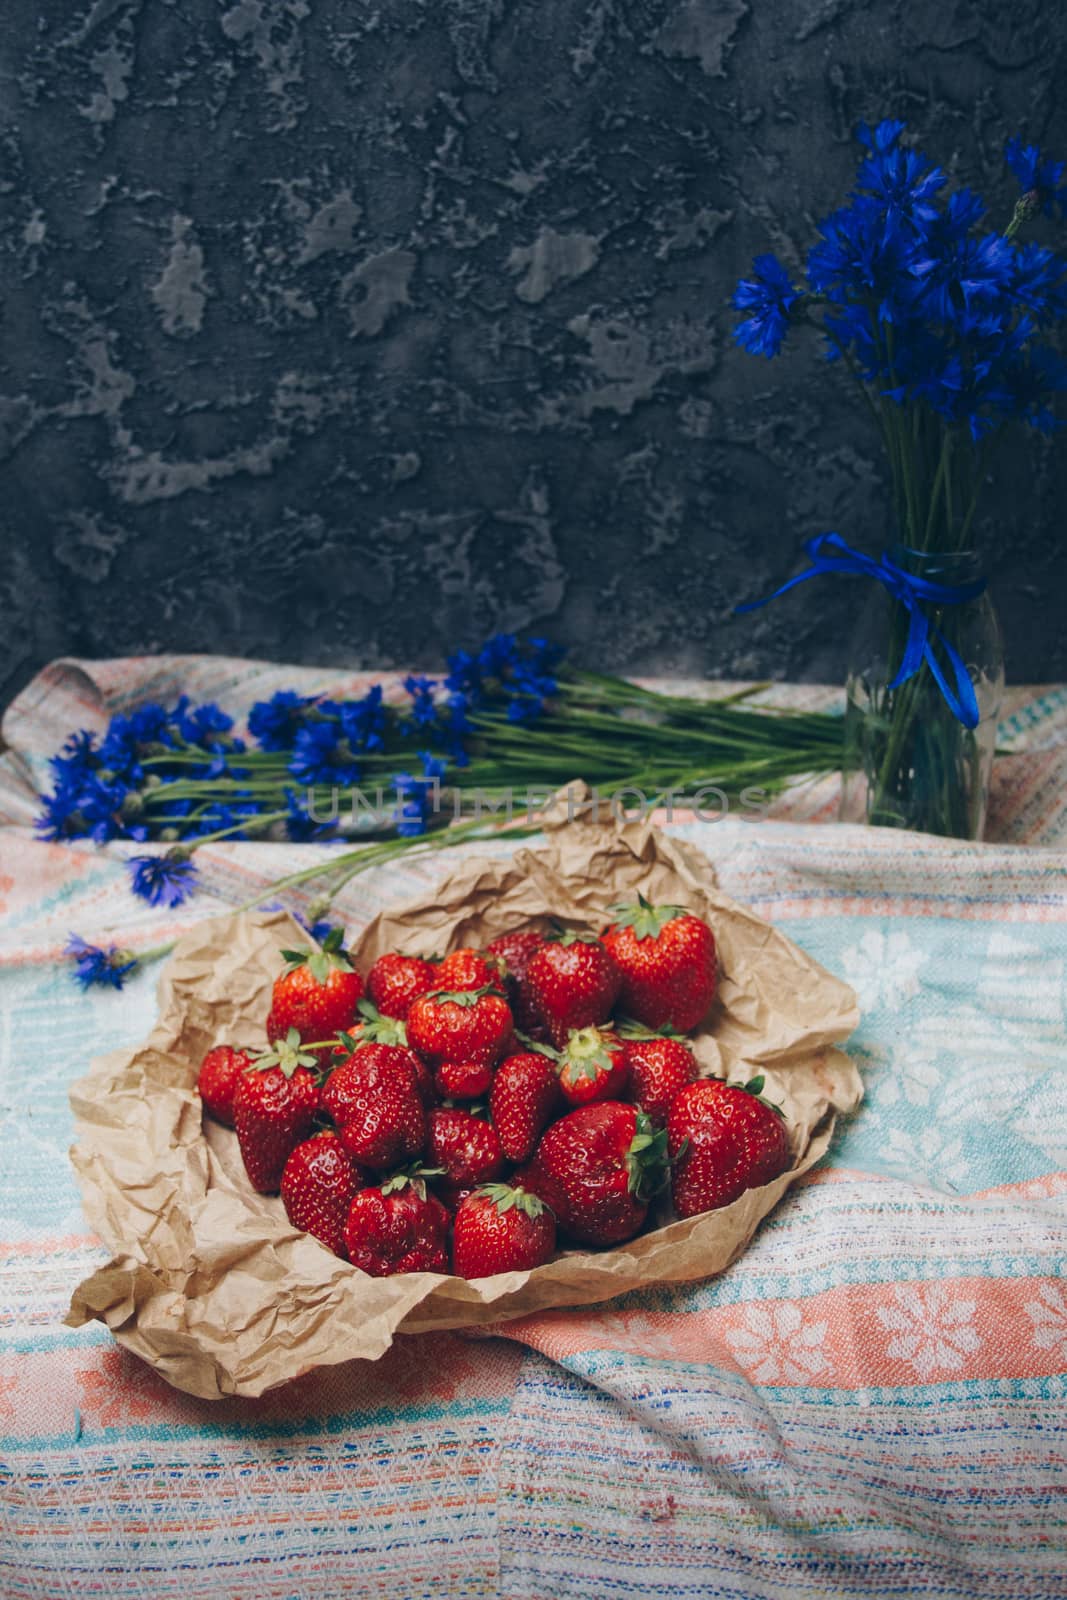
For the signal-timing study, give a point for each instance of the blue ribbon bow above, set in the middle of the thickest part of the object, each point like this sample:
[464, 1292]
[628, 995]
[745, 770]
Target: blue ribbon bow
[911, 591]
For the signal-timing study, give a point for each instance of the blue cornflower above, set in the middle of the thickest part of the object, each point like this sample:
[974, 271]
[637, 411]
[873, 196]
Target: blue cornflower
[432, 766]
[321, 755]
[162, 880]
[299, 826]
[60, 817]
[769, 297]
[423, 709]
[363, 721]
[76, 758]
[150, 724]
[274, 723]
[881, 138]
[100, 804]
[1037, 176]
[903, 181]
[499, 656]
[457, 727]
[963, 274]
[414, 803]
[851, 329]
[464, 675]
[1039, 281]
[863, 254]
[543, 655]
[94, 965]
[120, 750]
[203, 724]
[530, 691]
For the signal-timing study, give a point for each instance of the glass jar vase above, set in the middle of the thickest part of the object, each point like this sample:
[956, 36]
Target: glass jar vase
[909, 760]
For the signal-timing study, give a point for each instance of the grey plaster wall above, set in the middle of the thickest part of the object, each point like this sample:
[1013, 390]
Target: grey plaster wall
[348, 330]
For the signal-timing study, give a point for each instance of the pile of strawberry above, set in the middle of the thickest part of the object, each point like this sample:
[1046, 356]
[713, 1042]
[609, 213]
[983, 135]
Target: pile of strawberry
[463, 1112]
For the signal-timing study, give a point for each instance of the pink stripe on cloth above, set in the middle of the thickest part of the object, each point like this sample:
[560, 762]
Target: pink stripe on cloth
[864, 1336]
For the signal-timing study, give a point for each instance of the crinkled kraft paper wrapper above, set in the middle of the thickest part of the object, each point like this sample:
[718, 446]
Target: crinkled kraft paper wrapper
[209, 1282]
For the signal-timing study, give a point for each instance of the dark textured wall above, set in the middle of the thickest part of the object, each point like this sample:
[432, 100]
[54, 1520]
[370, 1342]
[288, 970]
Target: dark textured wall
[346, 330]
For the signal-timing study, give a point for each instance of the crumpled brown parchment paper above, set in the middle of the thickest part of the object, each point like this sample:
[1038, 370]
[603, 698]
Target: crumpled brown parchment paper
[211, 1285]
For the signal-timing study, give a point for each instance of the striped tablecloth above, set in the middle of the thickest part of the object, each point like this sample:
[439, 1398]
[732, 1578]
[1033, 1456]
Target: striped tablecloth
[869, 1403]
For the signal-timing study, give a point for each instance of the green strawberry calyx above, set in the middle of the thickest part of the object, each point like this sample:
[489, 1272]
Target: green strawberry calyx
[558, 934]
[646, 920]
[320, 963]
[534, 1047]
[461, 997]
[627, 1028]
[376, 1029]
[586, 1054]
[754, 1087]
[646, 1159]
[288, 1054]
[413, 1177]
[513, 1197]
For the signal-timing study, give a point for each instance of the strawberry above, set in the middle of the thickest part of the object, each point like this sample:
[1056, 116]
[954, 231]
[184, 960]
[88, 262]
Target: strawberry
[572, 982]
[465, 1149]
[374, 1099]
[397, 1228]
[274, 1106]
[217, 1080]
[660, 1065]
[522, 1102]
[517, 950]
[318, 994]
[472, 1025]
[593, 1066]
[373, 1028]
[470, 969]
[501, 1229]
[667, 961]
[597, 1168]
[723, 1140]
[318, 1184]
[395, 981]
[463, 1080]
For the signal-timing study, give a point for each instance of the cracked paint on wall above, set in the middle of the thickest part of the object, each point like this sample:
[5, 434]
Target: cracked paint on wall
[349, 331]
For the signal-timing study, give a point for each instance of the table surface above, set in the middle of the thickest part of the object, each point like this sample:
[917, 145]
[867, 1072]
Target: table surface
[868, 1403]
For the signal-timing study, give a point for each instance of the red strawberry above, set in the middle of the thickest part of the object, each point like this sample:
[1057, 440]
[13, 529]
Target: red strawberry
[318, 1184]
[374, 1100]
[517, 950]
[660, 1065]
[573, 982]
[474, 1025]
[465, 1148]
[373, 1028]
[217, 1080]
[395, 981]
[318, 994]
[463, 1080]
[397, 1228]
[723, 1140]
[597, 1168]
[502, 1229]
[469, 969]
[668, 964]
[593, 1066]
[274, 1106]
[522, 1102]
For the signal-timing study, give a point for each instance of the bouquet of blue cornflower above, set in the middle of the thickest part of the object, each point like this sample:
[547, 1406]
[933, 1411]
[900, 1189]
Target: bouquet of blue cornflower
[450, 760]
[941, 322]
